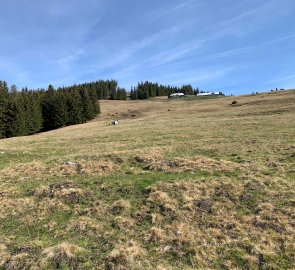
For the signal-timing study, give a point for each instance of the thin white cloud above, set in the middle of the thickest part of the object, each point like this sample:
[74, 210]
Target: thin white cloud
[200, 76]
[254, 19]
[65, 60]
[228, 27]
[125, 72]
[233, 52]
[132, 48]
[287, 78]
[175, 53]
[249, 13]
[159, 14]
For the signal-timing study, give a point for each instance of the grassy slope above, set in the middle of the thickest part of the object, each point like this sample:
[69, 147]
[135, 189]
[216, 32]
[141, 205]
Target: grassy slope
[182, 184]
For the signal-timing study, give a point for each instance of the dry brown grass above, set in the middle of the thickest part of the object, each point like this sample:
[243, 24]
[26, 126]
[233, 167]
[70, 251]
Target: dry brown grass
[199, 228]
[152, 156]
[33, 169]
[60, 255]
[4, 255]
[19, 261]
[84, 224]
[155, 235]
[123, 223]
[47, 206]
[124, 257]
[199, 163]
[12, 207]
[96, 207]
[38, 171]
[65, 191]
[120, 207]
[162, 200]
[85, 168]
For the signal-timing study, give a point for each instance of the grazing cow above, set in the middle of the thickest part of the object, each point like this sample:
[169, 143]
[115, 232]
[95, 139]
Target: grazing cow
[115, 122]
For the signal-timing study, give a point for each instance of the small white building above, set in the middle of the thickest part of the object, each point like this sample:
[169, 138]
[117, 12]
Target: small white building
[177, 95]
[209, 94]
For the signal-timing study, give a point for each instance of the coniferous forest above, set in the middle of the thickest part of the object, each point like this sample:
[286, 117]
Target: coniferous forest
[27, 112]
[145, 90]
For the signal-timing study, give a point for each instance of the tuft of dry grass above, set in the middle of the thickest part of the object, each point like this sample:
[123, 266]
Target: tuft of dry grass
[63, 191]
[18, 261]
[84, 224]
[123, 223]
[35, 169]
[162, 200]
[11, 207]
[4, 255]
[61, 255]
[125, 256]
[84, 167]
[38, 170]
[120, 207]
[152, 156]
[96, 207]
[155, 235]
[46, 206]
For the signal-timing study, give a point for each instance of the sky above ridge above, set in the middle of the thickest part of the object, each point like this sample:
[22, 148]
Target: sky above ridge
[225, 45]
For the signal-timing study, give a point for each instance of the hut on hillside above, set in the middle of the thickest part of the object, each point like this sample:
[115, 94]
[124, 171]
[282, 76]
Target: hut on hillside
[177, 95]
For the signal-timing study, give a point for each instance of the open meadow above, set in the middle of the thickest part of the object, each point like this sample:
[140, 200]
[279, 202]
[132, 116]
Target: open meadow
[178, 184]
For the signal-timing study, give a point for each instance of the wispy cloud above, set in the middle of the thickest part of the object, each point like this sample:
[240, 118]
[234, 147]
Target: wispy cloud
[233, 52]
[125, 72]
[235, 25]
[200, 75]
[175, 53]
[134, 47]
[66, 60]
[164, 12]
[252, 20]
[287, 78]
[254, 12]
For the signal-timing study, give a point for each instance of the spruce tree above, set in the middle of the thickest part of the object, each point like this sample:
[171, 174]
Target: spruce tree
[15, 117]
[74, 107]
[4, 96]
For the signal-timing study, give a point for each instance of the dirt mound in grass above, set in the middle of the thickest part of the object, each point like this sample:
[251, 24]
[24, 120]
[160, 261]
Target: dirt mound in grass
[60, 256]
[66, 192]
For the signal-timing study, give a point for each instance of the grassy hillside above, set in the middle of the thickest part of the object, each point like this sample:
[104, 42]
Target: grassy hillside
[178, 184]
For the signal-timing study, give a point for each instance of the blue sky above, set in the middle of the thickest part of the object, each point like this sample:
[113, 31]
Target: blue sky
[228, 45]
